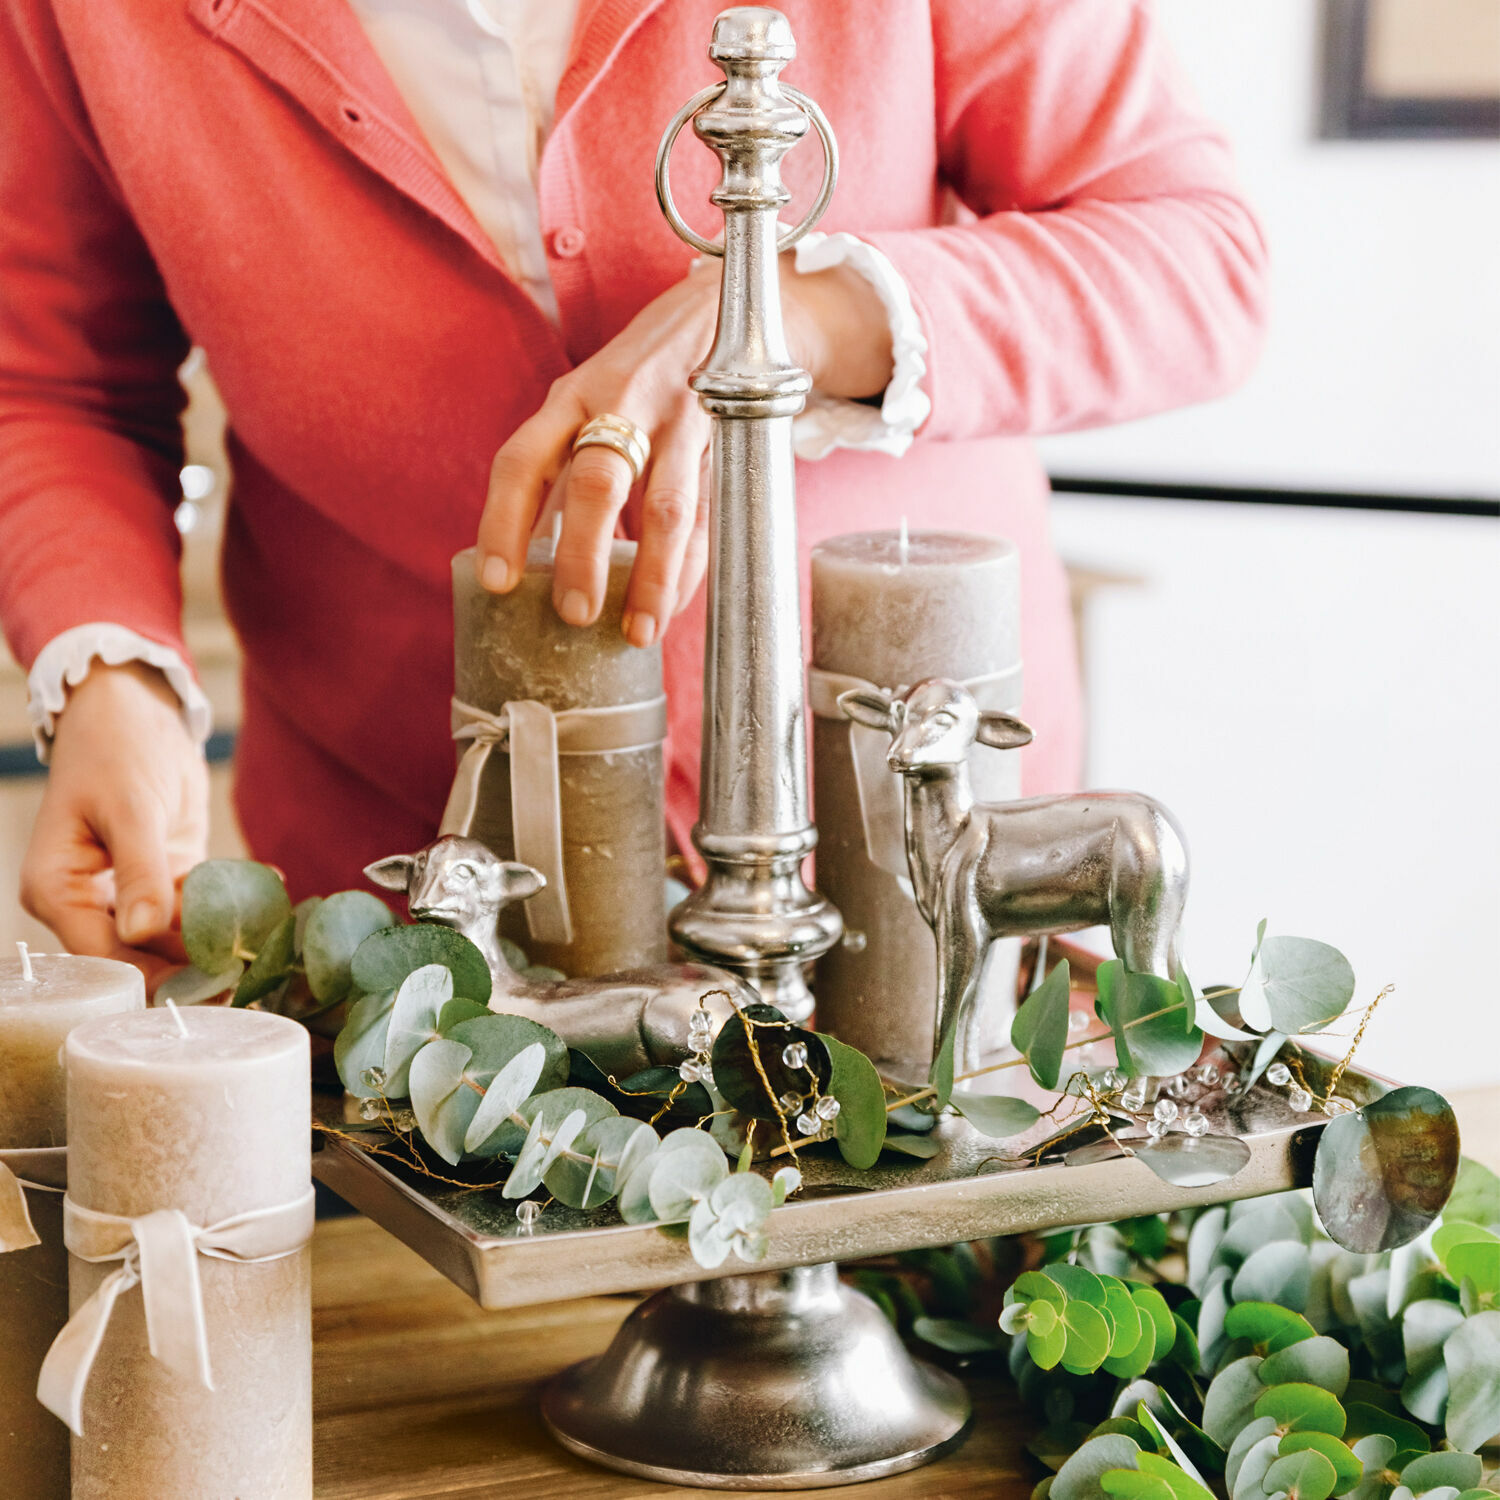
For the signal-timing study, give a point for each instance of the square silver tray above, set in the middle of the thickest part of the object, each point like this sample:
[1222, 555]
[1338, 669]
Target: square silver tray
[969, 1190]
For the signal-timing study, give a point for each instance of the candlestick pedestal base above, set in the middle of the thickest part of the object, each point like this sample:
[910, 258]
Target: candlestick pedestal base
[776, 1381]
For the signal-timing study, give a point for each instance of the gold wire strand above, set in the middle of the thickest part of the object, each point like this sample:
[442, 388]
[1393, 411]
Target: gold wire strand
[1348, 1057]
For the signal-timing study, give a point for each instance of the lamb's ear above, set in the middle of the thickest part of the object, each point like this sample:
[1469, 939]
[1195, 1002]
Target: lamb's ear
[1002, 731]
[873, 710]
[518, 881]
[393, 874]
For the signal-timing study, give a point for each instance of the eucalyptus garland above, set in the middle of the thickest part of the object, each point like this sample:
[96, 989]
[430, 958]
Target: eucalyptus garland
[431, 1061]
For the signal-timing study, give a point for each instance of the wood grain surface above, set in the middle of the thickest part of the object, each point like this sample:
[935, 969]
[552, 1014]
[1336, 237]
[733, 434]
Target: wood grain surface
[420, 1395]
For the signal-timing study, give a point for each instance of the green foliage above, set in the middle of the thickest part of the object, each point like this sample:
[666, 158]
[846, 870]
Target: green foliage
[1365, 1377]
[229, 908]
[860, 1125]
[1040, 1029]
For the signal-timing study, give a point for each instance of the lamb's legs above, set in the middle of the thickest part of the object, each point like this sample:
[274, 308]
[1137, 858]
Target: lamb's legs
[961, 947]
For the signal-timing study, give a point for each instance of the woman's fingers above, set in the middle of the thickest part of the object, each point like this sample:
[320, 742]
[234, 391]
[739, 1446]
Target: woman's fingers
[599, 484]
[668, 519]
[135, 832]
[520, 475]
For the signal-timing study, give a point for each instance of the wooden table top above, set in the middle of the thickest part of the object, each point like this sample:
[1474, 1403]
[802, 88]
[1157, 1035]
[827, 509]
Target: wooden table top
[421, 1395]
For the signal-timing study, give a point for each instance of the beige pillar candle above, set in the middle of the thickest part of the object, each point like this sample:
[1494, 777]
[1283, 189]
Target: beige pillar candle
[42, 997]
[206, 1111]
[513, 648]
[893, 610]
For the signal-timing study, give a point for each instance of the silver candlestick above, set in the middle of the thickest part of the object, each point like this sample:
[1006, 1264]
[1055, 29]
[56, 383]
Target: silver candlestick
[753, 914]
[782, 1379]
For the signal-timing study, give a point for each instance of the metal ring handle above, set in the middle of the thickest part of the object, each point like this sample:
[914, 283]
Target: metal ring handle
[685, 231]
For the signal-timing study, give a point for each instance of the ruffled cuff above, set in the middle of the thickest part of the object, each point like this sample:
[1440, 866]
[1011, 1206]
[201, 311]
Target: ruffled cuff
[66, 659]
[828, 422]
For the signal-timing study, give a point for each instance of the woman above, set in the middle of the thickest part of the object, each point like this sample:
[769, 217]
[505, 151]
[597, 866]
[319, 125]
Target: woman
[410, 233]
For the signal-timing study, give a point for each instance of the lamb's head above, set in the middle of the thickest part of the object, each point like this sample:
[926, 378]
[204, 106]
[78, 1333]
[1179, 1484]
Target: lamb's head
[456, 882]
[933, 725]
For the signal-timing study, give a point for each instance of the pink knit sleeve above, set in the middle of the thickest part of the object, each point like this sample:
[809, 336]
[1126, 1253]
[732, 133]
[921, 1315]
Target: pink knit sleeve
[90, 442]
[1114, 269]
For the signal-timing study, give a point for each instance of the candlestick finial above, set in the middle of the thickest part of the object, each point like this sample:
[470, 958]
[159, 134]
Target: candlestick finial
[27, 972]
[754, 914]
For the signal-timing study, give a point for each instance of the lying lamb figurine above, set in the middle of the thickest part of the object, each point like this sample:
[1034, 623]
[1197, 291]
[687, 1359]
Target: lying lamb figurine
[624, 1022]
[1043, 865]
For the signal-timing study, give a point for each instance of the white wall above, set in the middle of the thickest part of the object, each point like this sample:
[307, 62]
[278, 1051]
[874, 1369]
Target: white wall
[1316, 695]
[1383, 368]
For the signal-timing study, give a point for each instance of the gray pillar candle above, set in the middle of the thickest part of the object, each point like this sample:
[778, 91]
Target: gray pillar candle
[894, 610]
[42, 997]
[513, 647]
[206, 1113]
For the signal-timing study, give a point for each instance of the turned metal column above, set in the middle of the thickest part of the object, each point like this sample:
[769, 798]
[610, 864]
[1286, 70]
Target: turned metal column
[754, 914]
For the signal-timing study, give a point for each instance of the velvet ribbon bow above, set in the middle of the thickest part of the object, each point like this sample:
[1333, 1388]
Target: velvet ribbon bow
[157, 1252]
[44, 1170]
[535, 736]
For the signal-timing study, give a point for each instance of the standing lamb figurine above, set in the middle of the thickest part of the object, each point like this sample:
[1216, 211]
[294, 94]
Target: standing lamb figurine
[1042, 865]
[623, 1022]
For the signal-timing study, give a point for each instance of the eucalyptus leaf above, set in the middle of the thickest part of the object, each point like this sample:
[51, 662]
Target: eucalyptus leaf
[955, 1337]
[635, 1185]
[508, 1090]
[387, 957]
[1280, 1272]
[1426, 1326]
[1382, 1173]
[1270, 1328]
[1265, 1054]
[574, 1123]
[191, 986]
[923, 1147]
[271, 965]
[1472, 1357]
[1299, 1407]
[859, 1128]
[1307, 1475]
[731, 1220]
[1319, 1361]
[1255, 1431]
[1088, 1337]
[1431, 1471]
[1347, 1469]
[998, 1116]
[1306, 984]
[1229, 1405]
[1153, 1026]
[1040, 1029]
[455, 1012]
[301, 915]
[331, 937]
[229, 908]
[359, 1048]
[680, 1178]
[443, 1106]
[1476, 1195]
[1195, 1161]
[1254, 1466]
[613, 1145]
[414, 1023]
[737, 1076]
[494, 1039]
[1079, 1478]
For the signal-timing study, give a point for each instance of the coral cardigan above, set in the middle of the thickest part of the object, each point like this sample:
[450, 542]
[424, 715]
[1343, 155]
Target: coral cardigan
[243, 173]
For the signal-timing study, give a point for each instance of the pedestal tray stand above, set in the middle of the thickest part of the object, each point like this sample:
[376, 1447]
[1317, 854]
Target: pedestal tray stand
[785, 1378]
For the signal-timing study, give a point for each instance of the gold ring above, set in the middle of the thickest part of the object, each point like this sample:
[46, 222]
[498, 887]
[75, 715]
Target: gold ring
[620, 434]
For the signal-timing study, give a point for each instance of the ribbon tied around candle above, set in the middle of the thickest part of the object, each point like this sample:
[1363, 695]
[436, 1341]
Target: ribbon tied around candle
[43, 1170]
[535, 735]
[882, 808]
[159, 1253]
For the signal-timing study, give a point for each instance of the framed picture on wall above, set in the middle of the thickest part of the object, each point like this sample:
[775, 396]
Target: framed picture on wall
[1411, 68]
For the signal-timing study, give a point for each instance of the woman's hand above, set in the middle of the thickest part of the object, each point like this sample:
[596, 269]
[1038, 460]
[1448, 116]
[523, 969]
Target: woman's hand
[124, 817]
[837, 330]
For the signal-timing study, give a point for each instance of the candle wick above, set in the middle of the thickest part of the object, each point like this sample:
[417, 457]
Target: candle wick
[27, 972]
[181, 1025]
[905, 540]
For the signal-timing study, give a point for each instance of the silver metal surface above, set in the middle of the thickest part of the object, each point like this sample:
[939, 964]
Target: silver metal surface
[753, 914]
[624, 1021]
[787, 1380]
[982, 871]
[970, 1190]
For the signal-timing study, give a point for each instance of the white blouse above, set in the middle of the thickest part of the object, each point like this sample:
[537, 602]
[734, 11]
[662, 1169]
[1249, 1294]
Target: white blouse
[480, 78]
